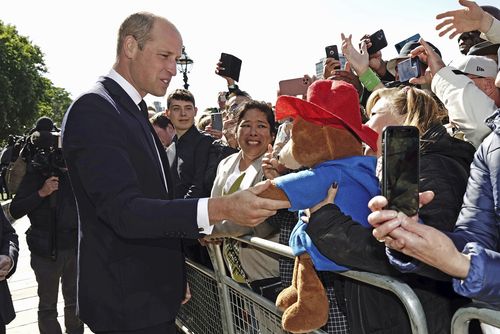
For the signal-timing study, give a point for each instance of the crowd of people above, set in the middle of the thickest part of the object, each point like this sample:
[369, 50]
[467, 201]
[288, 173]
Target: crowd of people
[138, 188]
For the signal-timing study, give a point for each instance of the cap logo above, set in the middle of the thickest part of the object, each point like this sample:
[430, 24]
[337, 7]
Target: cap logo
[479, 68]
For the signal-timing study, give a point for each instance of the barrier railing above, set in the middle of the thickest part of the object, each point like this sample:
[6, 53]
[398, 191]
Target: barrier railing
[462, 317]
[220, 305]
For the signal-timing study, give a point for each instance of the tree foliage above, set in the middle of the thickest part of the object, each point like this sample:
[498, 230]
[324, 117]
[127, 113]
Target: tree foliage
[25, 93]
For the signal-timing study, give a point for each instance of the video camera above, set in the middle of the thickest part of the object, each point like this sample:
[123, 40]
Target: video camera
[46, 155]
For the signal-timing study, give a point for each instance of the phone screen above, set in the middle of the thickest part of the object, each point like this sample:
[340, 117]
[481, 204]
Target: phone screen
[216, 121]
[400, 168]
[409, 68]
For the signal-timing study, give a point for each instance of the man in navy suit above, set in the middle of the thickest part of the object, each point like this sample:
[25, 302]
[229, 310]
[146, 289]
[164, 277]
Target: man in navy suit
[8, 260]
[131, 275]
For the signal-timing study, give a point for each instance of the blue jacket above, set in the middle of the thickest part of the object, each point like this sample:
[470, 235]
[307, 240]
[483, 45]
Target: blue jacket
[477, 231]
[478, 227]
[357, 184]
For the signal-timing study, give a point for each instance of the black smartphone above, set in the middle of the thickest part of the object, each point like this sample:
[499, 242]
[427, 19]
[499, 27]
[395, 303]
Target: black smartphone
[378, 42]
[400, 45]
[400, 168]
[332, 52]
[231, 66]
[216, 119]
[409, 68]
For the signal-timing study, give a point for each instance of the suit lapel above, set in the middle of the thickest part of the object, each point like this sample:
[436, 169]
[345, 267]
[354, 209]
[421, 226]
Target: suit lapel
[154, 143]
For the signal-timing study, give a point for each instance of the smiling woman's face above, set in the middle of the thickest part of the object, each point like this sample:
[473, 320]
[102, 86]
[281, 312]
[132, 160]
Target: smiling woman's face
[254, 134]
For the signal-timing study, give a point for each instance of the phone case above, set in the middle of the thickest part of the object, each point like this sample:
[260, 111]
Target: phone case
[216, 119]
[294, 87]
[231, 66]
[378, 42]
[332, 51]
[400, 45]
[400, 168]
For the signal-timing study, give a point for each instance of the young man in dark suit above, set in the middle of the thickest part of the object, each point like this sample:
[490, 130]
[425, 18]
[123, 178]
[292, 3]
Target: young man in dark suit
[191, 147]
[131, 275]
[9, 247]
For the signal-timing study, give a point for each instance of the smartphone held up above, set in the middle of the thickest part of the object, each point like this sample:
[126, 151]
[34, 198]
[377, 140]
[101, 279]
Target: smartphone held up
[216, 121]
[378, 41]
[333, 52]
[294, 87]
[409, 68]
[400, 168]
[230, 66]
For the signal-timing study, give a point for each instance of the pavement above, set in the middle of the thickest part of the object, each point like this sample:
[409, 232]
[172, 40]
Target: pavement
[23, 288]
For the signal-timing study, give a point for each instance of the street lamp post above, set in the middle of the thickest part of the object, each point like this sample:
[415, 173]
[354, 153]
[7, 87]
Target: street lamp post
[184, 65]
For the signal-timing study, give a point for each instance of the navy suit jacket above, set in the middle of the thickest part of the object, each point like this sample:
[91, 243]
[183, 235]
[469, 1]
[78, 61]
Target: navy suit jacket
[8, 246]
[131, 271]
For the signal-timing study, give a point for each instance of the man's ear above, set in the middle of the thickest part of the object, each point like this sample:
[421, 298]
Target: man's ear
[167, 113]
[195, 110]
[130, 46]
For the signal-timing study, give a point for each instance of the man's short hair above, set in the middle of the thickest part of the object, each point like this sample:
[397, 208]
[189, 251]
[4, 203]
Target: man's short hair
[180, 95]
[160, 120]
[139, 26]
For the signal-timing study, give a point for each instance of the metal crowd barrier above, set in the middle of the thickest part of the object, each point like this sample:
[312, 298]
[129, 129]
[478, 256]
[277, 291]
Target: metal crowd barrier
[220, 305]
[462, 317]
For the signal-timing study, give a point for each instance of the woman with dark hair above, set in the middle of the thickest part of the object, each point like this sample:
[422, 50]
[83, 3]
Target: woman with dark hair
[255, 130]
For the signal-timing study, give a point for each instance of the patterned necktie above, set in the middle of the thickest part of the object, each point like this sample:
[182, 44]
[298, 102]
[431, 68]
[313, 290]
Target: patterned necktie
[231, 247]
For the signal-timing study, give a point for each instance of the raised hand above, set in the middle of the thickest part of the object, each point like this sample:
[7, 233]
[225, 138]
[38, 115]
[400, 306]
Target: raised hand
[359, 60]
[427, 55]
[470, 18]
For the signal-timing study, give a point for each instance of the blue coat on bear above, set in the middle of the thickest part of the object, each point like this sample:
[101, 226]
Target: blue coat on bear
[355, 177]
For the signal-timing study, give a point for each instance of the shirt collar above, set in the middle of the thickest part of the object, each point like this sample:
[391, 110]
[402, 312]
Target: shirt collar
[127, 87]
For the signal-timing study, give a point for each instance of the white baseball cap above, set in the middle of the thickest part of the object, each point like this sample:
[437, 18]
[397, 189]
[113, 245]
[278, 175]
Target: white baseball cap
[475, 65]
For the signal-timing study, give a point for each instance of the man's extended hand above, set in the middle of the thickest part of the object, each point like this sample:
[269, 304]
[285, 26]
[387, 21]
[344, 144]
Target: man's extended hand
[5, 265]
[245, 207]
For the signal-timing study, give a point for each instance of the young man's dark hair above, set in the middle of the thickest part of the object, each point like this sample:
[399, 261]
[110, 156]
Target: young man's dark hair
[181, 95]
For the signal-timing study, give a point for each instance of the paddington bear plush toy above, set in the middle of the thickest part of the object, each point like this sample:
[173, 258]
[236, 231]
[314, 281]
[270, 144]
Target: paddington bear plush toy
[327, 136]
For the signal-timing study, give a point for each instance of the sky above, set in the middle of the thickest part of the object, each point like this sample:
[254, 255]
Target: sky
[275, 39]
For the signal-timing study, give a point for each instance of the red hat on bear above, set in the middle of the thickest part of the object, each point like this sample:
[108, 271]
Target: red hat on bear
[329, 103]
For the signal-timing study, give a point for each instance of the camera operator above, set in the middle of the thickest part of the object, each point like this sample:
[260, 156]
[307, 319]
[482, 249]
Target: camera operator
[45, 196]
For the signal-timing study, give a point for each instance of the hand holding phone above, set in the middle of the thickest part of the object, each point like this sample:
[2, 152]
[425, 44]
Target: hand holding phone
[332, 51]
[400, 168]
[409, 68]
[230, 66]
[378, 41]
[216, 119]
